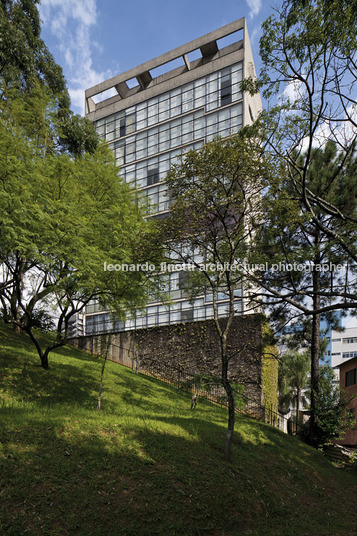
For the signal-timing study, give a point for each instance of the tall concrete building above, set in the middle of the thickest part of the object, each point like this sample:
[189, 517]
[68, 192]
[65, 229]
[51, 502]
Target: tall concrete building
[153, 113]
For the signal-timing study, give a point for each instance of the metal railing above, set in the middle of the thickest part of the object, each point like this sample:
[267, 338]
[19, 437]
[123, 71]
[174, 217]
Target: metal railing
[208, 387]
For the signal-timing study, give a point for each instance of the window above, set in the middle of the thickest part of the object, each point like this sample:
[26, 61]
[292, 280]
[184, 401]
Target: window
[348, 355]
[350, 340]
[153, 176]
[226, 87]
[130, 123]
[122, 127]
[186, 313]
[350, 378]
[336, 340]
[119, 151]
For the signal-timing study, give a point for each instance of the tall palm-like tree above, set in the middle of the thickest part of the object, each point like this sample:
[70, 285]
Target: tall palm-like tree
[294, 370]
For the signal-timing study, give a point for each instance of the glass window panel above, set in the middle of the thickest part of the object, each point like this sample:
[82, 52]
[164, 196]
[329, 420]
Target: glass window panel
[130, 123]
[100, 130]
[141, 145]
[209, 311]
[141, 116]
[223, 122]
[164, 137]
[152, 111]
[153, 141]
[175, 312]
[164, 112]
[199, 127]
[119, 151]
[110, 136]
[175, 157]
[141, 175]
[212, 92]
[199, 93]
[130, 323]
[187, 99]
[236, 118]
[226, 87]
[140, 321]
[130, 149]
[175, 103]
[222, 309]
[152, 316]
[164, 163]
[211, 126]
[110, 126]
[176, 133]
[153, 195]
[187, 133]
[129, 175]
[236, 80]
[199, 313]
[152, 175]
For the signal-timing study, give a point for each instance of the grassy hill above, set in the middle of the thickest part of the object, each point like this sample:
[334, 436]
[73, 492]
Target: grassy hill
[147, 465]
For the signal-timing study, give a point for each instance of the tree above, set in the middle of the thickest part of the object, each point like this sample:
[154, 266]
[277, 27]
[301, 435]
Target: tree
[309, 53]
[333, 418]
[62, 217]
[216, 194]
[289, 237]
[293, 379]
[26, 63]
[63, 210]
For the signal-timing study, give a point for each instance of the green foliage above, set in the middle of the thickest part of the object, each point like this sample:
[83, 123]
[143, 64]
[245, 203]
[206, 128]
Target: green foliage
[64, 211]
[294, 368]
[333, 418]
[26, 63]
[270, 366]
[62, 217]
[216, 194]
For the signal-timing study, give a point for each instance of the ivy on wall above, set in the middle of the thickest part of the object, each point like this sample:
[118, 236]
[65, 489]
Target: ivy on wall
[269, 370]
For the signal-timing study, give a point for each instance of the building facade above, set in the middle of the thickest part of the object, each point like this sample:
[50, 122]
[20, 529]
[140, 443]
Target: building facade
[153, 113]
[348, 381]
[342, 345]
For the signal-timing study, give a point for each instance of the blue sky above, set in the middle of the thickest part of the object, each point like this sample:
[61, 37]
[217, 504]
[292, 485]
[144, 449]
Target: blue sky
[93, 40]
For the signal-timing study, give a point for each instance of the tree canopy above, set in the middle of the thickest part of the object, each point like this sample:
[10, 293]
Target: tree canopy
[216, 195]
[64, 211]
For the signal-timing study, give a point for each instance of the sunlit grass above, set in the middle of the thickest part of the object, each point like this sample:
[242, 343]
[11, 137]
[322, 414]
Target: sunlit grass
[146, 464]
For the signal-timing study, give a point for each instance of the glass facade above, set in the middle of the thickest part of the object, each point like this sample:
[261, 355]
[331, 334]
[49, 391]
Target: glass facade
[147, 139]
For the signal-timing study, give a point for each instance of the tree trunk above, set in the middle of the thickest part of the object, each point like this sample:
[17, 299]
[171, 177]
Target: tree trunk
[298, 396]
[44, 359]
[17, 295]
[315, 340]
[231, 409]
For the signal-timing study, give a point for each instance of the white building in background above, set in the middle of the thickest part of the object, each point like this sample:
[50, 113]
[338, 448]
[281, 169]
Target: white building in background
[153, 113]
[342, 346]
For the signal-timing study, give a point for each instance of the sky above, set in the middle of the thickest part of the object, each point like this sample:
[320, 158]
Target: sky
[94, 40]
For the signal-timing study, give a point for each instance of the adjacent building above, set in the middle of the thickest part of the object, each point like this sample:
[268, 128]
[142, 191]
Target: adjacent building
[342, 345]
[153, 113]
[348, 381]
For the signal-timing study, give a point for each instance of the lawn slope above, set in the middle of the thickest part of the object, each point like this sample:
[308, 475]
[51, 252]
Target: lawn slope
[145, 464]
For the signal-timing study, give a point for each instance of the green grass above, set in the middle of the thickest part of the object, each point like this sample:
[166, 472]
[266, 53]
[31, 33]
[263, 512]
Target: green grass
[145, 464]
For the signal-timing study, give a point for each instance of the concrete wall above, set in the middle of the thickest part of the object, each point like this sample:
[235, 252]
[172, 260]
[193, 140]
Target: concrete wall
[192, 346]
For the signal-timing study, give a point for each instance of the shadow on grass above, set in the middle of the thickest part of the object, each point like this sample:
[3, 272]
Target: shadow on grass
[138, 481]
